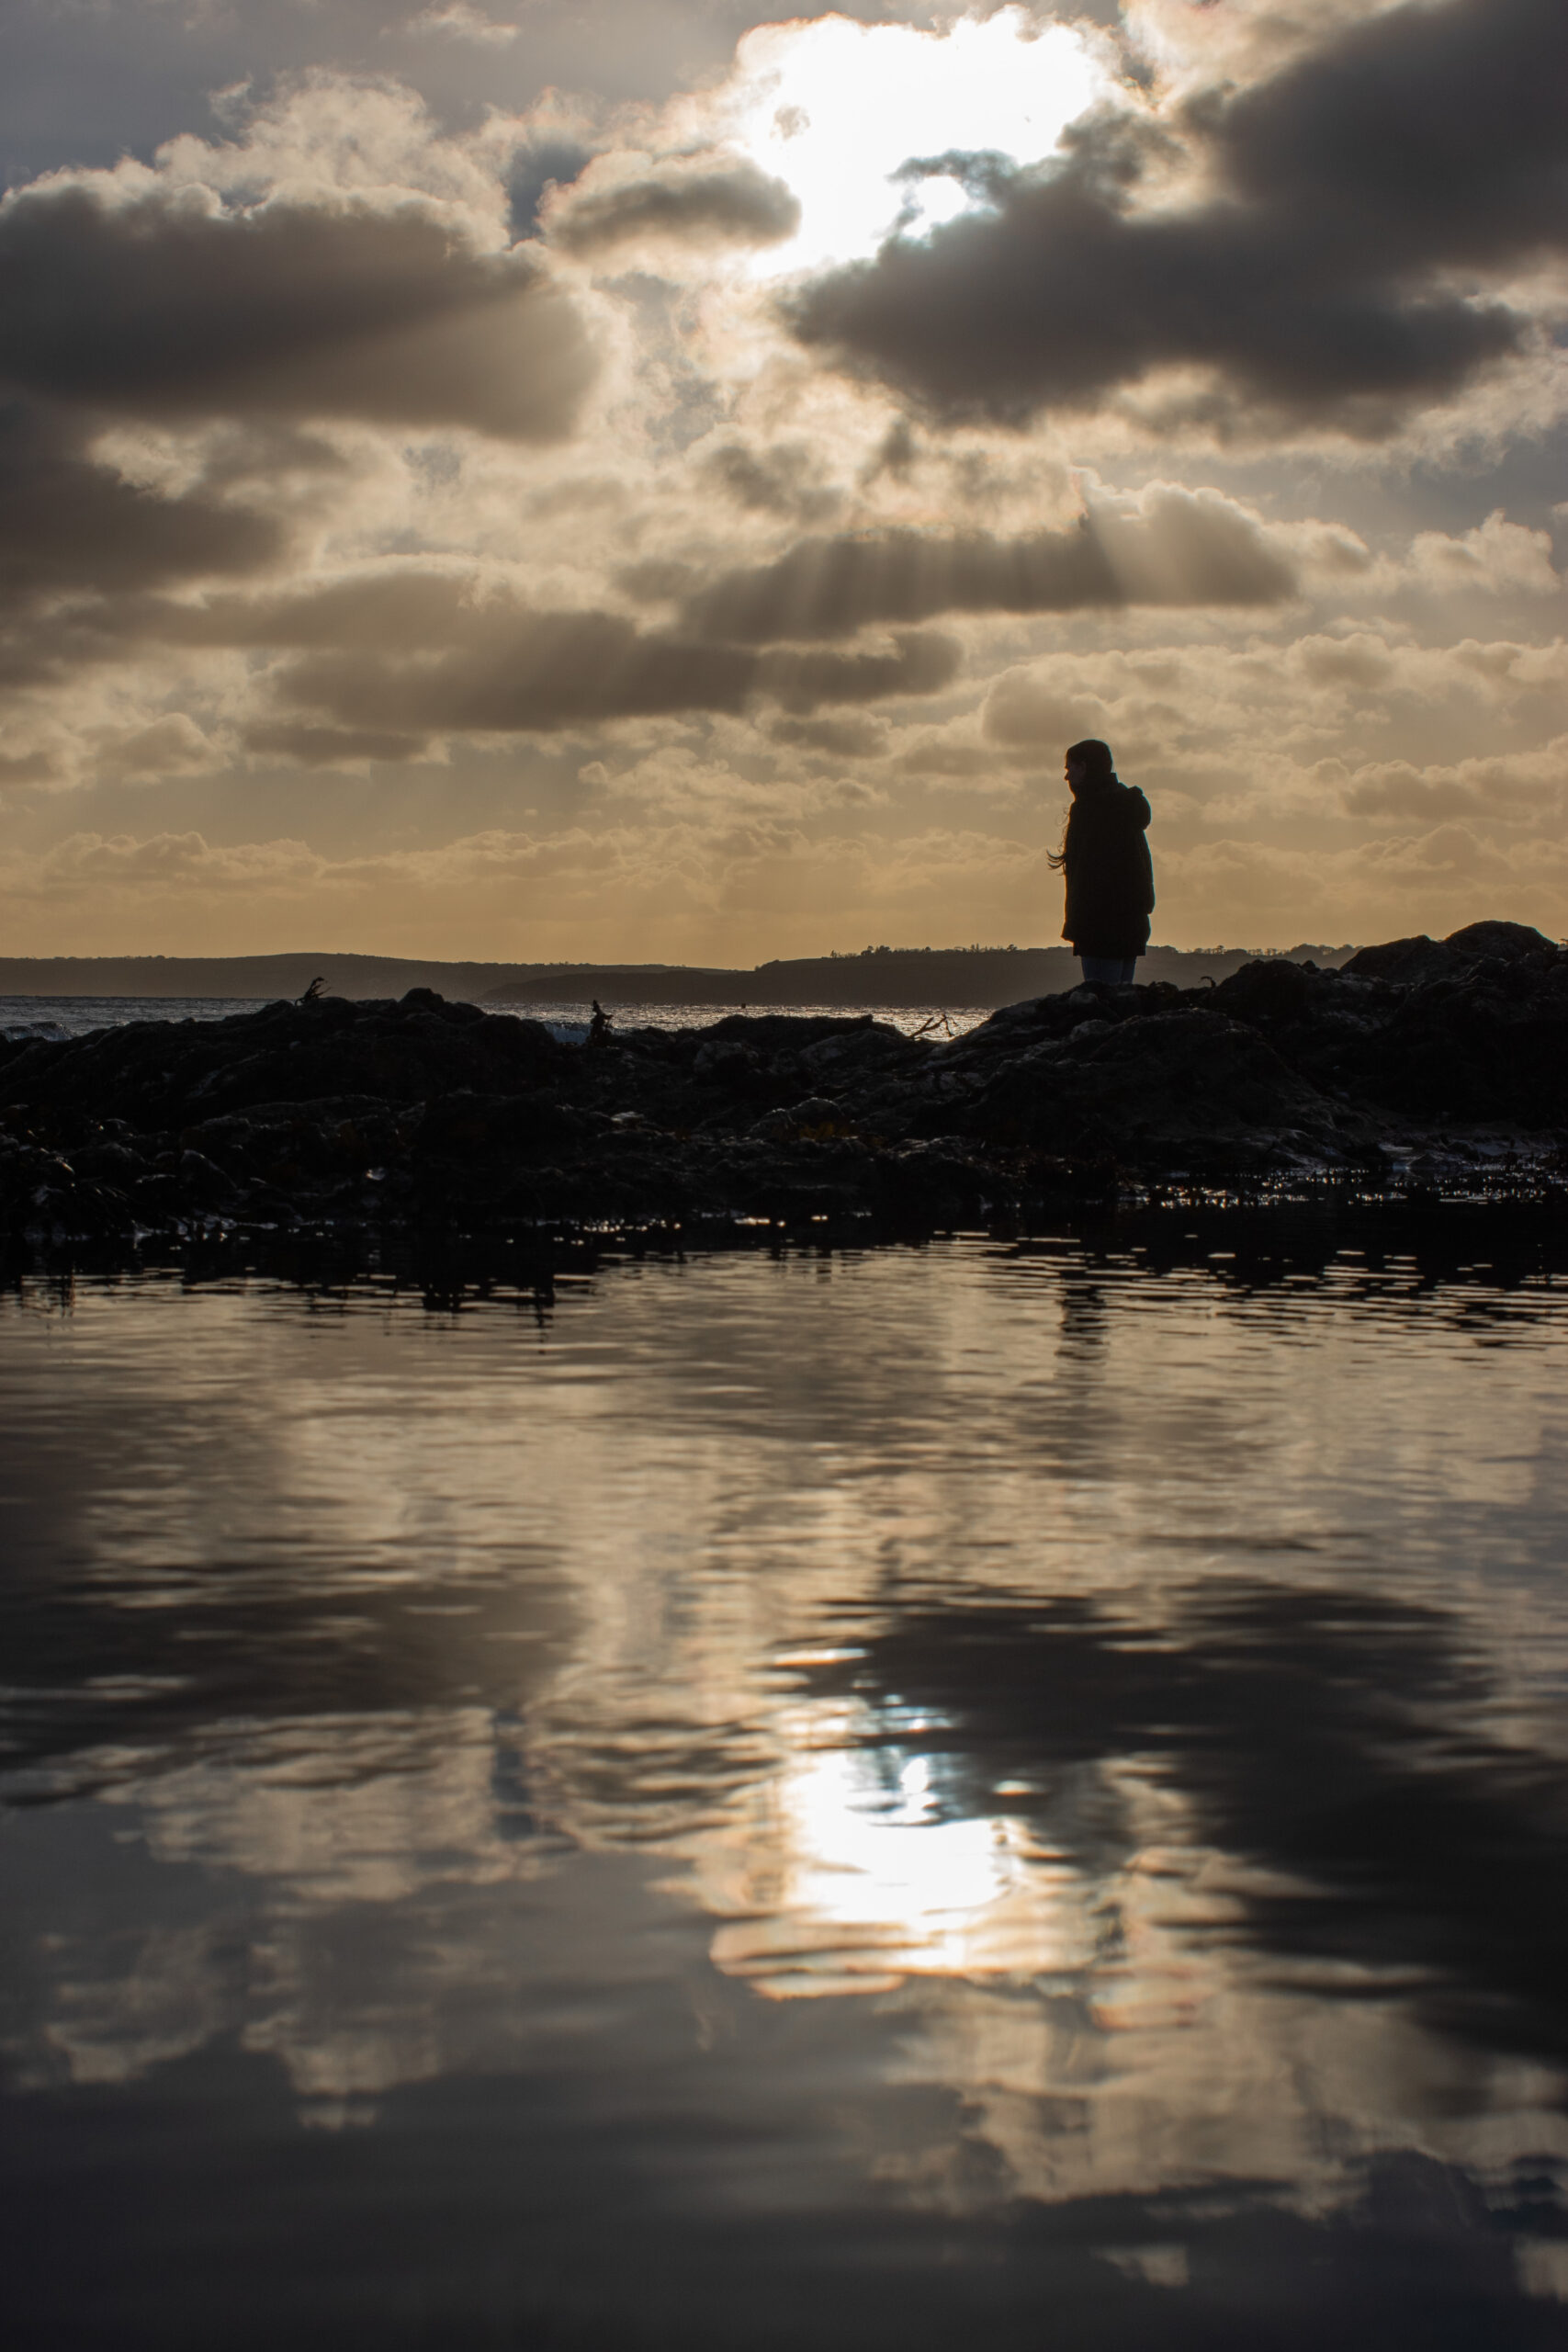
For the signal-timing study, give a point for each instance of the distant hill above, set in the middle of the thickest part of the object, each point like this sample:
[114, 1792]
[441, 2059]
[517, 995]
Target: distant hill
[258, 976]
[958, 977]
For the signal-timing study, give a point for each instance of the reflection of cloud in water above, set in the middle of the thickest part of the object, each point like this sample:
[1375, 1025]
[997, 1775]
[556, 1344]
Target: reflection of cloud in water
[1271, 1896]
[365, 1809]
[123, 2006]
[383, 1821]
[938, 1634]
[843, 1873]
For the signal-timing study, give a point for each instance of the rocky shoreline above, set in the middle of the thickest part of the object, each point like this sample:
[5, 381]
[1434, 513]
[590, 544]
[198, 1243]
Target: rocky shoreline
[1422, 1066]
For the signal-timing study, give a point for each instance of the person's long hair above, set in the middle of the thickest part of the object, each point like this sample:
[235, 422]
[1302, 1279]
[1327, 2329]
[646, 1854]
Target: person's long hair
[1094, 755]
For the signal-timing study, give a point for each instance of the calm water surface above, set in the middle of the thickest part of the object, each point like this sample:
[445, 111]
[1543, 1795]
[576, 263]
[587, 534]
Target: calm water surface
[978, 1793]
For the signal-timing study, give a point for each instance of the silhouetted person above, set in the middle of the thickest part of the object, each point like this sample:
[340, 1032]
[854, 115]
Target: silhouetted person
[598, 1027]
[1111, 880]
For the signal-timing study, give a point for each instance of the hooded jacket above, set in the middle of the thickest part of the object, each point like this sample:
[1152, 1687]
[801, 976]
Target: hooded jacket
[1111, 878]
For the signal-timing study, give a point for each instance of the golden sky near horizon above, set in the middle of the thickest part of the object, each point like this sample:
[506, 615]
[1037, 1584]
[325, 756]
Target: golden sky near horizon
[640, 479]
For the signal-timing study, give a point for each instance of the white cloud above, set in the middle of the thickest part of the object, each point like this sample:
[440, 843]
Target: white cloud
[170, 746]
[458, 20]
[1497, 557]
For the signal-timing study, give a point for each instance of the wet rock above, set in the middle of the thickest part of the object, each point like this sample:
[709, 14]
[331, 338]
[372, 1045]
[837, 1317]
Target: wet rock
[1085, 1036]
[817, 1113]
[727, 1061]
[1503, 943]
[1150, 1083]
[114, 1163]
[156, 1201]
[934, 1184]
[264, 1206]
[1488, 1046]
[771, 1032]
[202, 1183]
[860, 1053]
[1405, 961]
[43, 1195]
[78, 1212]
[1414, 962]
[1270, 990]
[189, 1072]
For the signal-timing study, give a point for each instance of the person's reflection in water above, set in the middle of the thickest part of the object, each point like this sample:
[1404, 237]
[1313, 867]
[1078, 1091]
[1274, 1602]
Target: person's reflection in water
[1084, 1315]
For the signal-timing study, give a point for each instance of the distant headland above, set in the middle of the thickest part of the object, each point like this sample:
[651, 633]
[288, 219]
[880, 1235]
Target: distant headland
[970, 977]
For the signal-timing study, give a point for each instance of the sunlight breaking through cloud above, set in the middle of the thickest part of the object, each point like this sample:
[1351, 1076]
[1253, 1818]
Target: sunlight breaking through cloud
[837, 109]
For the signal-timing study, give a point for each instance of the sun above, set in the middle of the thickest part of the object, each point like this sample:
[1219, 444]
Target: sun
[837, 109]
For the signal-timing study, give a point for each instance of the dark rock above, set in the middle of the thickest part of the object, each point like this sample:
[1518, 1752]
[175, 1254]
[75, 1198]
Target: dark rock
[156, 1201]
[1148, 1082]
[1405, 961]
[770, 1032]
[727, 1061]
[202, 1183]
[194, 1070]
[1505, 942]
[97, 1213]
[817, 1113]
[1270, 990]
[425, 1114]
[108, 1163]
[933, 1186]
[1488, 1046]
[1412, 962]
[860, 1053]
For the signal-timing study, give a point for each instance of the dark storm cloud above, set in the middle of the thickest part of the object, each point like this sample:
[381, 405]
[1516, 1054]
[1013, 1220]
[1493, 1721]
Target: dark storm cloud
[67, 523]
[921, 663]
[1177, 548]
[734, 203]
[165, 307]
[328, 747]
[415, 650]
[1311, 283]
[781, 480]
[409, 652]
[1439, 132]
[542, 672]
[376, 665]
[841, 738]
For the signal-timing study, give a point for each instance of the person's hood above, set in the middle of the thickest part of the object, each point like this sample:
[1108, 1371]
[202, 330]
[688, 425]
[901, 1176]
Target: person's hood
[1109, 792]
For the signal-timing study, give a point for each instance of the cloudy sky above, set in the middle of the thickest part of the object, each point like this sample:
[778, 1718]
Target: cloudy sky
[639, 477]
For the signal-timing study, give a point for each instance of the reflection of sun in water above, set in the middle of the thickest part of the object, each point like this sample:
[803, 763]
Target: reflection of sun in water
[836, 110]
[851, 1880]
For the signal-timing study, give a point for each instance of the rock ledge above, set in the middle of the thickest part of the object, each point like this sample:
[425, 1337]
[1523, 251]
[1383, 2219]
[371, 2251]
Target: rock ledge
[1442, 1063]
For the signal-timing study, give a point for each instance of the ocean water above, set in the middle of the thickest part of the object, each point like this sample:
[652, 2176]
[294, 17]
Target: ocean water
[985, 1794]
[73, 1016]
